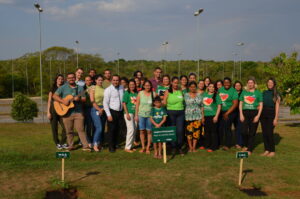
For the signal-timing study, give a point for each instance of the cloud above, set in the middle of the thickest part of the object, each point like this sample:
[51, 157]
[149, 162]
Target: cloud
[7, 1]
[116, 5]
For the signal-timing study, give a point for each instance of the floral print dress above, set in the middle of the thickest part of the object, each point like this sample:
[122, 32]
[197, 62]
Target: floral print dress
[193, 115]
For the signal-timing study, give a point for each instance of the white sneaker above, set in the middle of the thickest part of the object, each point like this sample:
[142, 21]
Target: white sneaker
[65, 146]
[59, 147]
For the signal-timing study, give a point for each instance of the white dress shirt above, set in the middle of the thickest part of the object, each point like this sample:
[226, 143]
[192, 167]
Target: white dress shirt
[113, 99]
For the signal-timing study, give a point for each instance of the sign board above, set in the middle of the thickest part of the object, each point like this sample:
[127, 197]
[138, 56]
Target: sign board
[164, 134]
[241, 155]
[62, 155]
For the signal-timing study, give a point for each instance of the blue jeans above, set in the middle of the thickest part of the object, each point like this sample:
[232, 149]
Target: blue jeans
[176, 118]
[145, 123]
[99, 124]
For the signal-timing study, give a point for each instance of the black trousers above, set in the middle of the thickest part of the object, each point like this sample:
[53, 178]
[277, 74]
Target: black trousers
[54, 127]
[225, 129]
[114, 128]
[176, 118]
[211, 134]
[266, 121]
[249, 129]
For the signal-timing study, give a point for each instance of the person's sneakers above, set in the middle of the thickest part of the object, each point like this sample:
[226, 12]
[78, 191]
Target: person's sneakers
[65, 146]
[59, 147]
[86, 149]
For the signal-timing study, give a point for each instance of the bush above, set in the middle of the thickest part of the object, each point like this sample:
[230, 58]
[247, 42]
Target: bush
[23, 108]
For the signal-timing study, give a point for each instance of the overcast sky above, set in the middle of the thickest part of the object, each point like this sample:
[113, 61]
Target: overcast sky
[137, 28]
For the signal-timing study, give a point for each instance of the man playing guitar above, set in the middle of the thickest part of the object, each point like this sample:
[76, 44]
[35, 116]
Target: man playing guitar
[74, 117]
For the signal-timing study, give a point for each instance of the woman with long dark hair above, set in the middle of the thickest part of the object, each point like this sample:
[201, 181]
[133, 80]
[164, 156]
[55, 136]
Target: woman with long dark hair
[251, 105]
[139, 74]
[212, 109]
[129, 105]
[269, 116]
[54, 117]
[97, 112]
[207, 81]
[201, 86]
[238, 86]
[184, 84]
[142, 115]
[193, 115]
[164, 86]
[174, 101]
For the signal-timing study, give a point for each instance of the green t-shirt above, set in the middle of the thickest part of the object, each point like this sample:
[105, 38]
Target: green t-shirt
[65, 90]
[161, 90]
[210, 105]
[251, 100]
[175, 101]
[227, 97]
[157, 114]
[130, 100]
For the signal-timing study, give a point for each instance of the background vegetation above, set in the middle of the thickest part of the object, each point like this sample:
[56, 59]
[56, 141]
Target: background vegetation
[24, 71]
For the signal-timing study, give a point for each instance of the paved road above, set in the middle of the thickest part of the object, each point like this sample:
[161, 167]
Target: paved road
[5, 107]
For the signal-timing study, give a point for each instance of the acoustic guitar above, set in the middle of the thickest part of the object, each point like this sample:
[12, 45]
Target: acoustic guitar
[62, 109]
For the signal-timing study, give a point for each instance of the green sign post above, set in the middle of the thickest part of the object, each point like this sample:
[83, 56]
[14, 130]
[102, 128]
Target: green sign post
[62, 155]
[164, 134]
[241, 155]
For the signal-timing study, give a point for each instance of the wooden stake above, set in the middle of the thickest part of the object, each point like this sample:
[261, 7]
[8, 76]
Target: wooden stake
[241, 171]
[63, 169]
[165, 152]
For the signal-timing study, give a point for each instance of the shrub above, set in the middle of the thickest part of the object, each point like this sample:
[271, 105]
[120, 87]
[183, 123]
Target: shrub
[23, 108]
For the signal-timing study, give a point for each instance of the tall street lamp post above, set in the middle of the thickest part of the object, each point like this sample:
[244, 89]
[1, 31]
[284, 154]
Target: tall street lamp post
[196, 14]
[40, 10]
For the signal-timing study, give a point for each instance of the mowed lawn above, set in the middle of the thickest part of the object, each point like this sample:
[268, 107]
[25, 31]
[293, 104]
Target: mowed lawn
[28, 166]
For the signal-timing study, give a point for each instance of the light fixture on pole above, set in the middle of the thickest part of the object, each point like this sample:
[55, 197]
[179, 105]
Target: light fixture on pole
[165, 44]
[196, 14]
[40, 10]
[179, 54]
[240, 44]
[77, 44]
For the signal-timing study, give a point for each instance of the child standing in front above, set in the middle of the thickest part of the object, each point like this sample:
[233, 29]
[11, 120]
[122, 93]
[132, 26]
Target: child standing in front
[158, 118]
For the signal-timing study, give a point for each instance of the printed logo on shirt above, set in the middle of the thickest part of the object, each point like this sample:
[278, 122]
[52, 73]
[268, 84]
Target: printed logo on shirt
[223, 96]
[207, 101]
[133, 100]
[249, 99]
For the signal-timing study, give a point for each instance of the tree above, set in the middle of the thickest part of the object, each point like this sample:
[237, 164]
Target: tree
[23, 108]
[286, 69]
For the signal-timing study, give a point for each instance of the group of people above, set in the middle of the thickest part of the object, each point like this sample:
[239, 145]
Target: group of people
[203, 112]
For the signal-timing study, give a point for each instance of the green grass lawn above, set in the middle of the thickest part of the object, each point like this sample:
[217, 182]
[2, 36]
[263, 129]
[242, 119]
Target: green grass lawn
[28, 166]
